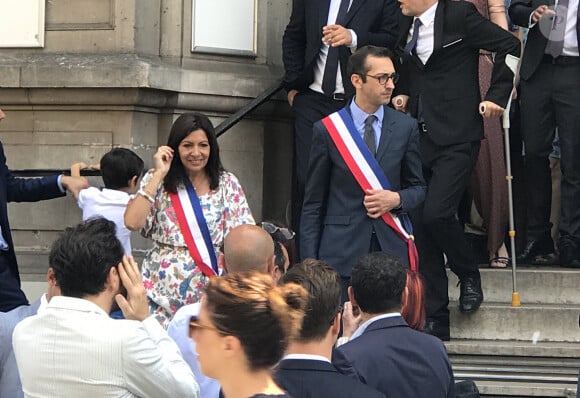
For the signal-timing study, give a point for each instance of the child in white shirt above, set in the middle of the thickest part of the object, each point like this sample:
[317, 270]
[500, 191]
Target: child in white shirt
[121, 170]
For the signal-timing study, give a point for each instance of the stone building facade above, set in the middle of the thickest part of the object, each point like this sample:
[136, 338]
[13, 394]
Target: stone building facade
[117, 73]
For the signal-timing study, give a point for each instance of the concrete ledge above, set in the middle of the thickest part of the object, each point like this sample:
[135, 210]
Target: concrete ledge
[502, 322]
[536, 285]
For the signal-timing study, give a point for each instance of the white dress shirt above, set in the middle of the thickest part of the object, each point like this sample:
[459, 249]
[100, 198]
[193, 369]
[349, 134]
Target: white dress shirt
[321, 61]
[178, 330]
[71, 348]
[571, 34]
[426, 39]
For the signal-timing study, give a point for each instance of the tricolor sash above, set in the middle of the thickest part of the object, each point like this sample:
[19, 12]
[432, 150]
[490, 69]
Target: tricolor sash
[367, 172]
[194, 228]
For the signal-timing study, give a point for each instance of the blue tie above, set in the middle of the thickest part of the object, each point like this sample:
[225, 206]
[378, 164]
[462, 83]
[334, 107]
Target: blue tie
[411, 45]
[331, 67]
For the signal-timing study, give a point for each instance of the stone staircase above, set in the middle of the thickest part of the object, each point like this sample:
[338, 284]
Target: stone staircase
[527, 351]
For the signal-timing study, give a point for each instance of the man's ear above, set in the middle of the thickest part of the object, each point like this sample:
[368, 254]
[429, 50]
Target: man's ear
[272, 269]
[113, 279]
[351, 297]
[335, 327]
[356, 80]
[222, 262]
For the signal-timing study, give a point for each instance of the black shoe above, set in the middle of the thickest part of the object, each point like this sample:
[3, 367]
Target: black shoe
[569, 252]
[537, 252]
[438, 328]
[471, 295]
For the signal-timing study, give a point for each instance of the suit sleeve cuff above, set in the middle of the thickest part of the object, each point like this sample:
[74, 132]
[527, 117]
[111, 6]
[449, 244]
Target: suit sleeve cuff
[59, 183]
[353, 42]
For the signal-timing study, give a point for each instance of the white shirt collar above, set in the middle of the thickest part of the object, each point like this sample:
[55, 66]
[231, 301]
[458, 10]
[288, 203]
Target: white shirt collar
[308, 357]
[361, 329]
[73, 303]
[428, 16]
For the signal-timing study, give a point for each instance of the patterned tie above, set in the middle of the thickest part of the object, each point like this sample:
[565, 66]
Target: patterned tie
[369, 135]
[331, 67]
[412, 44]
[556, 40]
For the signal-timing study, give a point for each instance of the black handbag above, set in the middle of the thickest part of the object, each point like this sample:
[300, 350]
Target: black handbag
[466, 389]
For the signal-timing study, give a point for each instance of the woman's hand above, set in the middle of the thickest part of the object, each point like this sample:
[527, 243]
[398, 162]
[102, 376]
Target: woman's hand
[162, 159]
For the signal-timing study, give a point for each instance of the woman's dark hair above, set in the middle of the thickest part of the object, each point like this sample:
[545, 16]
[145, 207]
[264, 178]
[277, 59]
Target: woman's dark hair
[182, 127]
[263, 316]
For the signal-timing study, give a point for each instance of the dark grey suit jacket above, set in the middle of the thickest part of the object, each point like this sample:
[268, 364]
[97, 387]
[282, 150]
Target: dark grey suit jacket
[373, 21]
[304, 378]
[397, 361]
[520, 11]
[335, 226]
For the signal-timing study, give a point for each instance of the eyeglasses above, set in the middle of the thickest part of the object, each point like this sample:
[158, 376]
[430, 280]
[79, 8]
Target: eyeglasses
[270, 228]
[384, 78]
[195, 324]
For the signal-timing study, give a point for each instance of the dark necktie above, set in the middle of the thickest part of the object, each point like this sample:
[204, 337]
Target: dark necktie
[412, 44]
[331, 67]
[369, 135]
[556, 40]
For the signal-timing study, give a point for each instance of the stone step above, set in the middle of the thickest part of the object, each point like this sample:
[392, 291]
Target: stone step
[515, 368]
[500, 321]
[549, 285]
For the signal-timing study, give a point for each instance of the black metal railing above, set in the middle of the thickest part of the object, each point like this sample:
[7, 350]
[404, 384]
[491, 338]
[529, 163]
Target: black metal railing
[220, 129]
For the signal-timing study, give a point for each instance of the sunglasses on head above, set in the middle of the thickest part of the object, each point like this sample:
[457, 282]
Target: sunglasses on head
[270, 228]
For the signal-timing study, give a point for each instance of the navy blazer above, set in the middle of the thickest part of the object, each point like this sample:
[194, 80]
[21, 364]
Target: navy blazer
[303, 378]
[10, 385]
[520, 12]
[14, 189]
[374, 22]
[335, 227]
[448, 84]
[398, 361]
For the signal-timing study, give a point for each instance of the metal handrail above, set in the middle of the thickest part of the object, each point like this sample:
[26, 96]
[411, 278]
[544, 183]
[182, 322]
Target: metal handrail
[220, 129]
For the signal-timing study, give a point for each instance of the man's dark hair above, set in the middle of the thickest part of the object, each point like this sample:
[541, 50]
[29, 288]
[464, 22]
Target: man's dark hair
[119, 166]
[378, 280]
[83, 256]
[323, 285]
[357, 63]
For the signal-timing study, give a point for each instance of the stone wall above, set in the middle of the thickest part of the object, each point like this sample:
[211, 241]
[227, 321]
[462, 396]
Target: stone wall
[118, 73]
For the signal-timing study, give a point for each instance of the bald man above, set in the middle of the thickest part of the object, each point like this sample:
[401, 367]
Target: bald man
[246, 248]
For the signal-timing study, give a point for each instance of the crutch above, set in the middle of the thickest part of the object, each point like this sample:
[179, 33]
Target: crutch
[512, 63]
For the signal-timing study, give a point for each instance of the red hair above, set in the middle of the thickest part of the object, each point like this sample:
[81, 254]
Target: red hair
[413, 308]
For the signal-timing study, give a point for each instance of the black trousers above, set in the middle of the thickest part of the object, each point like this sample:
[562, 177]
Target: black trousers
[308, 108]
[11, 296]
[447, 171]
[550, 99]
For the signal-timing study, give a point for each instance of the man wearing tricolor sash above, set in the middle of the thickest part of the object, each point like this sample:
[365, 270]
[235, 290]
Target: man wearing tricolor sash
[364, 173]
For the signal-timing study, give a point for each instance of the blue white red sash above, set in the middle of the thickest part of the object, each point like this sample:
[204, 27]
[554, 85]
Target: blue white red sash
[194, 228]
[367, 172]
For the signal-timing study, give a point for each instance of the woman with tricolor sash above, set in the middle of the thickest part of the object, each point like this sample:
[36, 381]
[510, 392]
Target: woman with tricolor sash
[186, 204]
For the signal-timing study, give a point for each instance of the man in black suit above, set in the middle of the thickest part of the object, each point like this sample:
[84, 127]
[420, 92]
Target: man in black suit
[550, 98]
[14, 189]
[306, 371]
[340, 221]
[384, 352]
[317, 42]
[439, 46]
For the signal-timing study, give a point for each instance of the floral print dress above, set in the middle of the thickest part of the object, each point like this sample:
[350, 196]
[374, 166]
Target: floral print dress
[170, 275]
